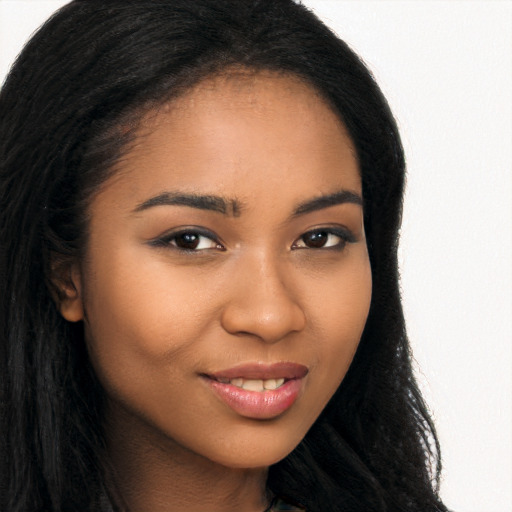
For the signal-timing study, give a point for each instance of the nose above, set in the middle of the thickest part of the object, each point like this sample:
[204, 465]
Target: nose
[261, 305]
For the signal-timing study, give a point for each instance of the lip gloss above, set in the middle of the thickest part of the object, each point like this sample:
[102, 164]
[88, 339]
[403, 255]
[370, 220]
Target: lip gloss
[266, 404]
[257, 404]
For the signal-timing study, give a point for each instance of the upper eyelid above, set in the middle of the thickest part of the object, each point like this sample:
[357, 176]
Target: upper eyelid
[189, 229]
[335, 230]
[173, 233]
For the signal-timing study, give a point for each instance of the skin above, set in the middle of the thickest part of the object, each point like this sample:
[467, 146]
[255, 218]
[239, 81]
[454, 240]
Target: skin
[157, 317]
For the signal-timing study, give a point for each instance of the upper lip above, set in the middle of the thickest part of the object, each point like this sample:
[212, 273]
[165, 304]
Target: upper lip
[263, 371]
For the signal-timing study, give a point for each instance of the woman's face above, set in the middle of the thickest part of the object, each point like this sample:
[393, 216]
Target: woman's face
[226, 281]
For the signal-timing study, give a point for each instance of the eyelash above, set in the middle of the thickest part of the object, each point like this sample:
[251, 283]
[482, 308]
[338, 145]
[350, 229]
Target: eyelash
[169, 240]
[345, 236]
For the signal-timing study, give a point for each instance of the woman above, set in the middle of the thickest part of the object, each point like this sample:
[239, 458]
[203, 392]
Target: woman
[200, 203]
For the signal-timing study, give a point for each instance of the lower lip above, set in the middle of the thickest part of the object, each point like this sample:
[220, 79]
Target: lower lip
[261, 405]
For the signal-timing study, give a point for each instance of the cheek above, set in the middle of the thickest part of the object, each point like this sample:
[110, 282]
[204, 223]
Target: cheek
[138, 316]
[340, 322]
[145, 298]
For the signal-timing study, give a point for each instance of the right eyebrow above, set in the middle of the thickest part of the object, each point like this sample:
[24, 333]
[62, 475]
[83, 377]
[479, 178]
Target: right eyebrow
[214, 203]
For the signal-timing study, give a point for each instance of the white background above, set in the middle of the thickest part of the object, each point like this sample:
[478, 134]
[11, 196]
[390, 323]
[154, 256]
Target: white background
[446, 68]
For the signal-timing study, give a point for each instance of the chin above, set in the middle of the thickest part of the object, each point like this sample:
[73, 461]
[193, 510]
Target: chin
[260, 451]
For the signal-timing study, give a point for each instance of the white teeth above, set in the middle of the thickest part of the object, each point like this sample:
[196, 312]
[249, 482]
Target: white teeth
[270, 384]
[257, 384]
[253, 385]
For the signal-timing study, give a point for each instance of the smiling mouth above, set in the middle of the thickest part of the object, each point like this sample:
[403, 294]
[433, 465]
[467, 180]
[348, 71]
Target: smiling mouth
[254, 384]
[258, 391]
[260, 376]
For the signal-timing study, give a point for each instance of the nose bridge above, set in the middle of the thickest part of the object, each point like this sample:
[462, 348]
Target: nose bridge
[263, 302]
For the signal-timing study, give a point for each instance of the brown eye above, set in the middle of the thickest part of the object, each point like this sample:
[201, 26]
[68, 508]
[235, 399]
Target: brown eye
[315, 239]
[193, 241]
[326, 238]
[189, 241]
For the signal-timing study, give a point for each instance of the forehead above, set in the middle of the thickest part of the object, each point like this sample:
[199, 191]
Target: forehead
[240, 133]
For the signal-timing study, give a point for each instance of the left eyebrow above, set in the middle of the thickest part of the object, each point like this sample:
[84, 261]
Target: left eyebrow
[319, 203]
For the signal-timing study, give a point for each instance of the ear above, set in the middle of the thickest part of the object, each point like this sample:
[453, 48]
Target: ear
[66, 287]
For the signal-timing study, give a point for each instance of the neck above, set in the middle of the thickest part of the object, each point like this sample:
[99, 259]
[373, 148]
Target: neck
[150, 472]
